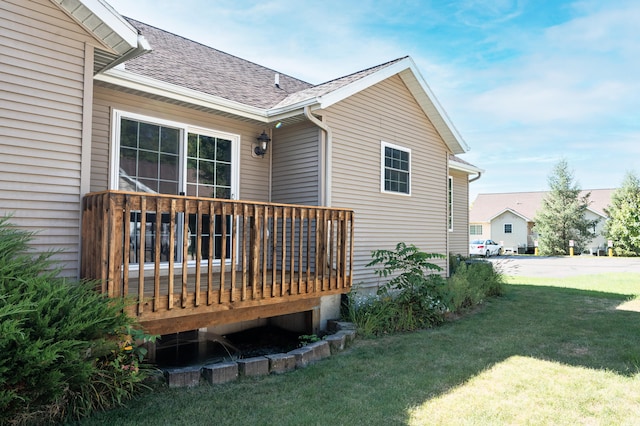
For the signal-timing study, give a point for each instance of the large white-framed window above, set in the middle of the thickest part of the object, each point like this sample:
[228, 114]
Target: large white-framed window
[395, 169]
[161, 156]
[450, 203]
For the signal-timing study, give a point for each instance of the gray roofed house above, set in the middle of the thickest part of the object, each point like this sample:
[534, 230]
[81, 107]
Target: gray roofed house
[509, 217]
[213, 191]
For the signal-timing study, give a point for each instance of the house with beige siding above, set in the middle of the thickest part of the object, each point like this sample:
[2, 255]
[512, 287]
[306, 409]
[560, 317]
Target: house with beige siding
[508, 218]
[209, 189]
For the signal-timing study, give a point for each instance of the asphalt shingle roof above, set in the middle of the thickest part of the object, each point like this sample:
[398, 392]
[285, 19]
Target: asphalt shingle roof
[189, 64]
[186, 63]
[332, 85]
[526, 204]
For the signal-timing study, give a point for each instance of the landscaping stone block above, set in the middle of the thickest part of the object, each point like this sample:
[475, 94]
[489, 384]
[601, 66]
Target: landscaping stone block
[350, 336]
[304, 356]
[255, 366]
[321, 350]
[334, 326]
[182, 377]
[337, 342]
[281, 363]
[220, 373]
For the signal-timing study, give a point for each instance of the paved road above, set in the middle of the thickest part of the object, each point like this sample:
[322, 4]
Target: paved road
[538, 266]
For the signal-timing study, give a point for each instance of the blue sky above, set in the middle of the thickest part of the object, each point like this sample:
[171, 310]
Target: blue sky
[526, 82]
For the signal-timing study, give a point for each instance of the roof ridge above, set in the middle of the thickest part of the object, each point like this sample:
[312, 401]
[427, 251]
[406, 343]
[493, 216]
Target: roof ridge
[542, 191]
[382, 65]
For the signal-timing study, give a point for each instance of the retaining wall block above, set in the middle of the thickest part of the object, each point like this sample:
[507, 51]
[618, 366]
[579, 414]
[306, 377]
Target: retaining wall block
[255, 366]
[321, 350]
[220, 373]
[337, 342]
[350, 336]
[334, 326]
[304, 356]
[281, 363]
[182, 377]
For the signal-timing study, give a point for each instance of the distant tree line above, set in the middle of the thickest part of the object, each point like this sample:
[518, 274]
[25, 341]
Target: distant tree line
[561, 218]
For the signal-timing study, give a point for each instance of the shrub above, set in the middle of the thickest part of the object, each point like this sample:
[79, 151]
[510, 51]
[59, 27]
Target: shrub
[410, 300]
[415, 298]
[372, 314]
[66, 350]
[471, 283]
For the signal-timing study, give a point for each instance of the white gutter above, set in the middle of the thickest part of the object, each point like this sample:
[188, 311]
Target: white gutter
[467, 168]
[326, 201]
[141, 48]
[475, 178]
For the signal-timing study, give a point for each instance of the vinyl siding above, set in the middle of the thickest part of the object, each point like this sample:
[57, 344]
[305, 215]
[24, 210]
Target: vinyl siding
[387, 112]
[254, 182]
[519, 230]
[459, 237]
[41, 109]
[296, 173]
[599, 239]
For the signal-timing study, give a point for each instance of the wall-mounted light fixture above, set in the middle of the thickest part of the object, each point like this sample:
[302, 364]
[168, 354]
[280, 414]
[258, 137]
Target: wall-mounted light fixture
[263, 143]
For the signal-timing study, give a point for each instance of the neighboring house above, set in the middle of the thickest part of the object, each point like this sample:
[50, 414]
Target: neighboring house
[125, 146]
[508, 218]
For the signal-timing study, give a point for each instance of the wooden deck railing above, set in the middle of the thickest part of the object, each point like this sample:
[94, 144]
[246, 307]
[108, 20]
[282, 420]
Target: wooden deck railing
[201, 258]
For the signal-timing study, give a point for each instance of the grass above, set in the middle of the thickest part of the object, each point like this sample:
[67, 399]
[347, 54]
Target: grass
[550, 351]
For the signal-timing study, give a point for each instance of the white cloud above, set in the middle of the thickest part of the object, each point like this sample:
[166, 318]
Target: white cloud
[488, 13]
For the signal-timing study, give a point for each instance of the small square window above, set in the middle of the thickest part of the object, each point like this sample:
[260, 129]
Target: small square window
[508, 228]
[475, 229]
[396, 169]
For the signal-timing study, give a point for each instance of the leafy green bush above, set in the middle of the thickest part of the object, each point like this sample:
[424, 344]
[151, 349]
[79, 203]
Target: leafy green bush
[410, 300]
[415, 298]
[471, 283]
[65, 349]
[372, 314]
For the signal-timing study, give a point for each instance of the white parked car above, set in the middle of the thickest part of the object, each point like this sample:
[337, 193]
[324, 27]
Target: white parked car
[484, 248]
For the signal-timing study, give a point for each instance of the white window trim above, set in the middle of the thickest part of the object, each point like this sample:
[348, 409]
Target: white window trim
[185, 129]
[504, 228]
[384, 145]
[450, 203]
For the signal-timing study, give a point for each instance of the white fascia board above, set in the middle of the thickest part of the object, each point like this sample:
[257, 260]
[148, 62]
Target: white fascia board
[597, 213]
[275, 114]
[95, 15]
[172, 91]
[436, 113]
[427, 100]
[361, 84]
[468, 168]
[526, 219]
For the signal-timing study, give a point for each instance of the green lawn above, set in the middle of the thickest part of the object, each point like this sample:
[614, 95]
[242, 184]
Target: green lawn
[550, 351]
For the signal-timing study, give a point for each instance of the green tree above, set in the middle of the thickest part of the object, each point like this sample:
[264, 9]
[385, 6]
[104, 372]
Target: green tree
[623, 226]
[562, 215]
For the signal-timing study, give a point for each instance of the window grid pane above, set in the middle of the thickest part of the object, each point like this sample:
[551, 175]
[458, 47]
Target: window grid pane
[397, 176]
[209, 166]
[149, 158]
[475, 229]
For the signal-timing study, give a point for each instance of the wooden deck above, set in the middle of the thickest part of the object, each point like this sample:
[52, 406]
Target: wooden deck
[278, 259]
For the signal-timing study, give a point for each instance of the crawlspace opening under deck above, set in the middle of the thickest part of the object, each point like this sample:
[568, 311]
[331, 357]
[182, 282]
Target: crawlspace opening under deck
[231, 342]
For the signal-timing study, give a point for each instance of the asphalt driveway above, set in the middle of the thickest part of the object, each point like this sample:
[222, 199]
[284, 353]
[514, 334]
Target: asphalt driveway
[564, 266]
